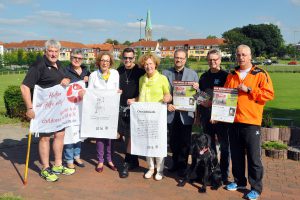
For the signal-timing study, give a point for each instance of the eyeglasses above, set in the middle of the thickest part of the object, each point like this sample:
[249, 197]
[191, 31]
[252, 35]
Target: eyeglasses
[178, 58]
[77, 58]
[129, 58]
[213, 60]
[105, 61]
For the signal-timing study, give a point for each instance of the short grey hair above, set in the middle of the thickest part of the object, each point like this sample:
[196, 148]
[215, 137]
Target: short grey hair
[76, 52]
[214, 51]
[243, 46]
[52, 43]
[180, 50]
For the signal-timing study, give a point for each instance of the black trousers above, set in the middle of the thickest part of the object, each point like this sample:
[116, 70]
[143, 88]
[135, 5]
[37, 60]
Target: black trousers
[245, 140]
[221, 131]
[180, 141]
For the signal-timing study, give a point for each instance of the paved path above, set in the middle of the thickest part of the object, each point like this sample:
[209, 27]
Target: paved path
[281, 180]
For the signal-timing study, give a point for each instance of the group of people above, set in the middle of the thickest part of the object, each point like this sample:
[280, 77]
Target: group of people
[144, 83]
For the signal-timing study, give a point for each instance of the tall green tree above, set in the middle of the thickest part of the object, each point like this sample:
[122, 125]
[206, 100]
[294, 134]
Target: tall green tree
[263, 39]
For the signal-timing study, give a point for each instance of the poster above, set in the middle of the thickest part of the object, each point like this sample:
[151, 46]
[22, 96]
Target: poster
[56, 107]
[100, 114]
[183, 96]
[148, 123]
[224, 104]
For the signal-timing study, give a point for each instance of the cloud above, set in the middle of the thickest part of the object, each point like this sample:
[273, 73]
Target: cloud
[20, 1]
[14, 35]
[4, 21]
[54, 14]
[295, 2]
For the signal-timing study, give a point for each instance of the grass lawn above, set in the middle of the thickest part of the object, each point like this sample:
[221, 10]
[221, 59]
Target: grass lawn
[287, 97]
[285, 105]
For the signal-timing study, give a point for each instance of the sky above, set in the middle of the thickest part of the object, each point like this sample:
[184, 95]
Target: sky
[94, 21]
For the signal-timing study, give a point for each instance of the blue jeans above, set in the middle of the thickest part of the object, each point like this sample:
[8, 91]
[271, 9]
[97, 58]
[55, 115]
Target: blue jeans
[72, 151]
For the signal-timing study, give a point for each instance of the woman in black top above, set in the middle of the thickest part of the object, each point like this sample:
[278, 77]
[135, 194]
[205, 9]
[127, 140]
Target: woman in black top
[75, 72]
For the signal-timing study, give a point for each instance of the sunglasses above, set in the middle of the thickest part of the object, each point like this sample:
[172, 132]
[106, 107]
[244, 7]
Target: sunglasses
[77, 58]
[129, 58]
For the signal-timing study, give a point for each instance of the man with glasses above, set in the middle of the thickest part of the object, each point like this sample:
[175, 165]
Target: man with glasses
[130, 74]
[255, 88]
[180, 122]
[47, 72]
[214, 77]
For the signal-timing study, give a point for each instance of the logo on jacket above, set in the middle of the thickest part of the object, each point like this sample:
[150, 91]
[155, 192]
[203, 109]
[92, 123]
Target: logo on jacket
[216, 81]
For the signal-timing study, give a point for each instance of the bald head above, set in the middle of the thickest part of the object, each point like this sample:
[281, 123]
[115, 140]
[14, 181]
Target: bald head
[243, 56]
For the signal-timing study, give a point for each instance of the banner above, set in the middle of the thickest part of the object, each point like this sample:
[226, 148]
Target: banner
[56, 107]
[224, 104]
[100, 114]
[72, 135]
[148, 124]
[183, 96]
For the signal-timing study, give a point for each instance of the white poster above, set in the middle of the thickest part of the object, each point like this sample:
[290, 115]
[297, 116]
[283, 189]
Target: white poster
[148, 123]
[55, 108]
[100, 114]
[72, 135]
[224, 104]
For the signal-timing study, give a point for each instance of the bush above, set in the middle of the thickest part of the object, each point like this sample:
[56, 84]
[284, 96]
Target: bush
[274, 145]
[267, 120]
[13, 101]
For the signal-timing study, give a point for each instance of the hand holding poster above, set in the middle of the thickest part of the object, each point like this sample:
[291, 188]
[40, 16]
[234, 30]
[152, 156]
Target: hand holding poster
[224, 104]
[183, 96]
[148, 123]
[100, 114]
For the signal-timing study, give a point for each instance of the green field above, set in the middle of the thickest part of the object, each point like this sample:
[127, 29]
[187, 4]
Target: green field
[285, 105]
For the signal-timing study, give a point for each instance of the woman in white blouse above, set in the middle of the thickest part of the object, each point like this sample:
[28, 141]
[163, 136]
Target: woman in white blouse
[104, 78]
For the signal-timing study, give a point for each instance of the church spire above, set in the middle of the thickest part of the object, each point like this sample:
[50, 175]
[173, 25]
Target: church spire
[148, 28]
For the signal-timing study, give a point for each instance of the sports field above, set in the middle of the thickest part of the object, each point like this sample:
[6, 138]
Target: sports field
[285, 105]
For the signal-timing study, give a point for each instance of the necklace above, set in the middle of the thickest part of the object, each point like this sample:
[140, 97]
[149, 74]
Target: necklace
[127, 77]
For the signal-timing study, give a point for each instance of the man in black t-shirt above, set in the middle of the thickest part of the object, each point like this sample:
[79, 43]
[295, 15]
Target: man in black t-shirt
[214, 77]
[130, 74]
[47, 72]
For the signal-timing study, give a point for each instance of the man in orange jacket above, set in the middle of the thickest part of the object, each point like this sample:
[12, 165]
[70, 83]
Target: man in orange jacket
[255, 88]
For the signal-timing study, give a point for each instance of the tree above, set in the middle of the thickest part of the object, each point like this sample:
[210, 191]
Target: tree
[162, 39]
[128, 43]
[21, 57]
[111, 41]
[211, 37]
[262, 39]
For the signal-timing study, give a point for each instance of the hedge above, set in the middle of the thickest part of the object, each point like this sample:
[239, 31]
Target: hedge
[13, 101]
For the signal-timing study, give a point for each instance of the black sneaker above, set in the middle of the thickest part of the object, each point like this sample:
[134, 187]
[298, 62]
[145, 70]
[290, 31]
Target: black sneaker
[124, 172]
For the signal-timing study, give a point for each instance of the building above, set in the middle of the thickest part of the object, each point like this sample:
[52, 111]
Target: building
[39, 45]
[115, 50]
[145, 46]
[148, 27]
[1, 48]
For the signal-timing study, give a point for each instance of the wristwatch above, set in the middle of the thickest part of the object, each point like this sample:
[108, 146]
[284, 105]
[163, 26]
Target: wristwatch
[249, 90]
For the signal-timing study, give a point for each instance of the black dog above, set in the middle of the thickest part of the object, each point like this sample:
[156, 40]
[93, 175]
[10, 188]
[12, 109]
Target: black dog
[204, 164]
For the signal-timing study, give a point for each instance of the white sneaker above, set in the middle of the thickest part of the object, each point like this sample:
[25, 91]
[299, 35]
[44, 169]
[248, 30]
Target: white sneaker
[159, 176]
[149, 173]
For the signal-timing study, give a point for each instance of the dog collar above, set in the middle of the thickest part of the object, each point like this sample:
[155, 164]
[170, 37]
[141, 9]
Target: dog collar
[203, 151]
